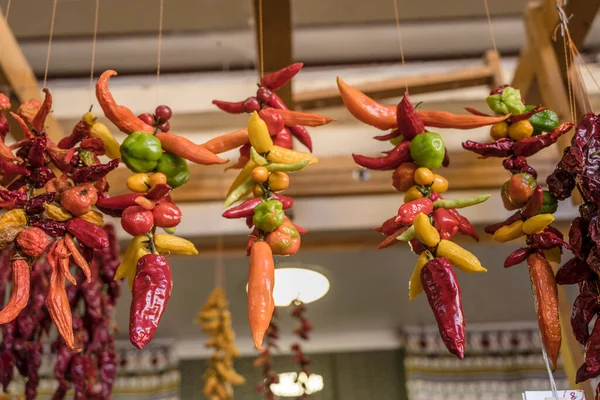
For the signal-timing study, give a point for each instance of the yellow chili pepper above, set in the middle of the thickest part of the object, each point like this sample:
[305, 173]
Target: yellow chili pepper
[425, 232]
[415, 287]
[244, 174]
[129, 259]
[133, 271]
[56, 212]
[101, 131]
[553, 255]
[139, 183]
[258, 133]
[537, 223]
[412, 193]
[11, 223]
[174, 245]
[94, 217]
[459, 257]
[282, 155]
[509, 232]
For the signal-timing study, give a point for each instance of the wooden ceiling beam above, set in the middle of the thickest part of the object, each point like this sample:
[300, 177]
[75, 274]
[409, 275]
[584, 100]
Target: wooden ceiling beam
[16, 73]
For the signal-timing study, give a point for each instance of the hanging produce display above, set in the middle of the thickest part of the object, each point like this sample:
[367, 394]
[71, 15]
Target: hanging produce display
[303, 333]
[526, 131]
[283, 123]
[578, 168]
[215, 320]
[48, 227]
[265, 360]
[426, 221]
[264, 176]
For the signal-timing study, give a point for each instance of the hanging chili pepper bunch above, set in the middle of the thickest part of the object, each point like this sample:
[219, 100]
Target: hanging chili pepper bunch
[265, 174]
[265, 361]
[48, 223]
[282, 123]
[579, 167]
[303, 331]
[425, 220]
[215, 320]
[528, 130]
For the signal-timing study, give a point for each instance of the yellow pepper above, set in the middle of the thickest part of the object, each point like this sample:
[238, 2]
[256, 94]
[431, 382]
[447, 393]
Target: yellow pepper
[174, 245]
[244, 174]
[282, 155]
[459, 257]
[133, 271]
[129, 259]
[412, 193]
[258, 133]
[139, 183]
[537, 223]
[11, 223]
[553, 255]
[56, 212]
[425, 232]
[415, 287]
[94, 217]
[509, 232]
[101, 131]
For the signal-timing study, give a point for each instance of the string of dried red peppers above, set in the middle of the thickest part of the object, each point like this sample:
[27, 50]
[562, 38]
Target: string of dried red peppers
[527, 130]
[303, 332]
[426, 221]
[265, 360]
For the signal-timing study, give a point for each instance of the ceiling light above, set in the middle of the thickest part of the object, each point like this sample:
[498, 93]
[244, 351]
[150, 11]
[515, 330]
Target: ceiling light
[302, 284]
[288, 386]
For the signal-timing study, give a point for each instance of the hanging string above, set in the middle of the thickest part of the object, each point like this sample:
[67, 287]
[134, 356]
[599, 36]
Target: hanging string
[219, 267]
[491, 27]
[160, 31]
[552, 382]
[399, 34]
[94, 51]
[7, 10]
[261, 46]
[569, 83]
[50, 41]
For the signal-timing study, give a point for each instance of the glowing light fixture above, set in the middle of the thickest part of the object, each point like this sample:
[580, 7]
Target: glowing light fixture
[288, 386]
[301, 283]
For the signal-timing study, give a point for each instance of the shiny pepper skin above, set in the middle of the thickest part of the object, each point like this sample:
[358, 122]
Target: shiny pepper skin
[261, 281]
[408, 211]
[443, 292]
[87, 233]
[151, 291]
[33, 241]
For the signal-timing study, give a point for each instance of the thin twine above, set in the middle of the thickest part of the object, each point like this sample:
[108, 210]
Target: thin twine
[261, 46]
[491, 27]
[552, 382]
[7, 10]
[399, 34]
[569, 83]
[219, 270]
[94, 51]
[50, 42]
[160, 32]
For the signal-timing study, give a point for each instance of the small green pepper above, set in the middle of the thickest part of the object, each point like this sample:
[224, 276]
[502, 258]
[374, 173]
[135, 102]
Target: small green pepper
[175, 168]
[461, 203]
[407, 235]
[507, 102]
[287, 167]
[427, 150]
[268, 215]
[239, 191]
[550, 204]
[141, 151]
[544, 121]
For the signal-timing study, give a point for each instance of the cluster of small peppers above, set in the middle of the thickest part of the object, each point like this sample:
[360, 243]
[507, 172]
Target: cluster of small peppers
[264, 175]
[48, 223]
[579, 167]
[527, 130]
[283, 124]
[426, 221]
[303, 331]
[215, 320]
[264, 360]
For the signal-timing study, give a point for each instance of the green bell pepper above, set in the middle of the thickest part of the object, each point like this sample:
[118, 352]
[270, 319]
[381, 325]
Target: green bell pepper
[544, 121]
[427, 150]
[175, 168]
[550, 204]
[268, 215]
[141, 151]
[507, 102]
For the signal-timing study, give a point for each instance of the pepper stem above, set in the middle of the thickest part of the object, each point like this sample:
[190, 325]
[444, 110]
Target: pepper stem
[152, 245]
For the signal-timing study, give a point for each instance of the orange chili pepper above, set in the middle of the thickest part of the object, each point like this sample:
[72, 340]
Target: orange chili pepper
[23, 125]
[228, 141]
[303, 118]
[546, 304]
[261, 280]
[444, 119]
[63, 257]
[57, 303]
[40, 116]
[187, 149]
[20, 291]
[78, 257]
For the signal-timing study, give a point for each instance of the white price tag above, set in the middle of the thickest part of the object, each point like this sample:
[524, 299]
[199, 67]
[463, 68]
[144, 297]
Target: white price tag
[562, 395]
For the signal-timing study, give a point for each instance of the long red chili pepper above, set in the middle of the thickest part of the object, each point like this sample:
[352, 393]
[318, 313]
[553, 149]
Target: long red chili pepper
[407, 120]
[57, 304]
[261, 281]
[232, 107]
[276, 80]
[500, 148]
[20, 291]
[391, 239]
[518, 256]
[530, 146]
[399, 155]
[40, 117]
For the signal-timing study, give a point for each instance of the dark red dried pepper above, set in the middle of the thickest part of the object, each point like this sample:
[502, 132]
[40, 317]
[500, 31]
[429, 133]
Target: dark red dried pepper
[36, 204]
[592, 351]
[40, 117]
[530, 146]
[399, 155]
[546, 241]
[407, 119]
[585, 307]
[94, 172]
[37, 148]
[517, 257]
[87, 233]
[158, 191]
[391, 239]
[115, 205]
[534, 204]
[499, 148]
[572, 272]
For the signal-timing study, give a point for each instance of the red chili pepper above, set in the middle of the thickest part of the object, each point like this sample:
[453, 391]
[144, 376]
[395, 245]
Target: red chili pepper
[300, 229]
[534, 204]
[491, 229]
[93, 144]
[530, 146]
[283, 139]
[301, 133]
[389, 226]
[276, 80]
[384, 138]
[572, 272]
[546, 241]
[592, 351]
[150, 294]
[500, 148]
[52, 228]
[158, 192]
[80, 132]
[273, 120]
[231, 107]
[446, 160]
[526, 115]
[416, 246]
[391, 239]
[9, 168]
[445, 223]
[20, 291]
[115, 205]
[94, 172]
[286, 201]
[464, 225]
[400, 154]
[585, 308]
[517, 256]
[40, 117]
[409, 211]
[582, 375]
[409, 123]
[36, 151]
[246, 209]
[35, 205]
[443, 292]
[87, 233]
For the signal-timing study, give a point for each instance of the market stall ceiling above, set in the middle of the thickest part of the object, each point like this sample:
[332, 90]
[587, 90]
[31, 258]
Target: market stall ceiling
[31, 18]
